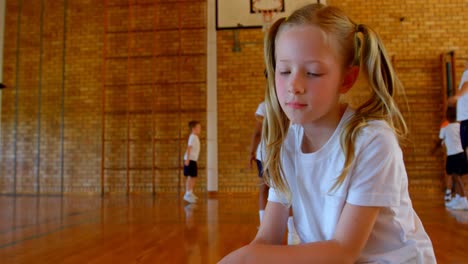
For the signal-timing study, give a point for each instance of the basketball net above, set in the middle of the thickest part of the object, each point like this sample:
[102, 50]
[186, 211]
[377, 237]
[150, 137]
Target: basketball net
[267, 19]
[268, 9]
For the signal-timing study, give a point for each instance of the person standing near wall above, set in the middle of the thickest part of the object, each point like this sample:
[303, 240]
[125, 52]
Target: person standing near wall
[190, 161]
[256, 154]
[456, 164]
[461, 100]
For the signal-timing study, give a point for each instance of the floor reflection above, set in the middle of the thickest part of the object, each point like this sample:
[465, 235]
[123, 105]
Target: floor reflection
[164, 228]
[460, 216]
[191, 235]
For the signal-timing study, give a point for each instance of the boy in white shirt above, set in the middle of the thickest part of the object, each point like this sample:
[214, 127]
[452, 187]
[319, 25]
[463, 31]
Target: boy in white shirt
[190, 161]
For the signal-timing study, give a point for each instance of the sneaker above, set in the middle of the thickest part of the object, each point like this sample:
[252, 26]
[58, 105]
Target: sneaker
[460, 216]
[448, 197]
[453, 202]
[193, 196]
[462, 204]
[189, 198]
[189, 208]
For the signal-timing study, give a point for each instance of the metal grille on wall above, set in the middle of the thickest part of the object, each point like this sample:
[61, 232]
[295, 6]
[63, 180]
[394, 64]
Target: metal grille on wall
[35, 119]
[143, 113]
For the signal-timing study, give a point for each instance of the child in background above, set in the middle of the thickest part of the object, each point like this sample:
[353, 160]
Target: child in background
[341, 169]
[257, 153]
[190, 161]
[456, 164]
[447, 178]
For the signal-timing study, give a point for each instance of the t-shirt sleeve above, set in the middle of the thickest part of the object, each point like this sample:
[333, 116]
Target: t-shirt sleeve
[463, 79]
[260, 109]
[191, 140]
[378, 172]
[276, 196]
[441, 133]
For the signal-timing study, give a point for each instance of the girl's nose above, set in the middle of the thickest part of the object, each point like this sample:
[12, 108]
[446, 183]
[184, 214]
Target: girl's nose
[296, 85]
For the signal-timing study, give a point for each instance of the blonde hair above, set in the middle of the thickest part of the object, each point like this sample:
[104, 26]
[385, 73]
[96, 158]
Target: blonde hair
[357, 45]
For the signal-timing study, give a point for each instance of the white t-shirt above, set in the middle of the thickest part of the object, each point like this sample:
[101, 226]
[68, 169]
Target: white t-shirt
[450, 134]
[462, 103]
[260, 154]
[195, 143]
[377, 178]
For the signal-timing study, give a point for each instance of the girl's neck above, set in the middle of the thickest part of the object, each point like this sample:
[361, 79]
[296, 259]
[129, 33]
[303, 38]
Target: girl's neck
[318, 133]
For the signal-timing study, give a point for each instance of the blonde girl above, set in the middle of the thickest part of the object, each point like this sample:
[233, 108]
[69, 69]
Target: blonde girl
[341, 169]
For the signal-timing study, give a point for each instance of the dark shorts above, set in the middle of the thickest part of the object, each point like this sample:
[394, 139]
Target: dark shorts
[456, 164]
[191, 170]
[464, 133]
[260, 168]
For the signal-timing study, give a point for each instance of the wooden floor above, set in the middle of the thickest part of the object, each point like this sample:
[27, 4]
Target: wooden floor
[164, 229]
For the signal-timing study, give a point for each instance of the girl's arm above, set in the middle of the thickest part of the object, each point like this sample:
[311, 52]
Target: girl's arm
[352, 232]
[273, 226]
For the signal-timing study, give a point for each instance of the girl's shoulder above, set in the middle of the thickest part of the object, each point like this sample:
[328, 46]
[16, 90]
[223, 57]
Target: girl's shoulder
[372, 128]
[377, 133]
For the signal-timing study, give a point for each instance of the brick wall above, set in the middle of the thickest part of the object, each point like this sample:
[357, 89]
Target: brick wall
[416, 33]
[148, 72]
[241, 87]
[134, 75]
[428, 29]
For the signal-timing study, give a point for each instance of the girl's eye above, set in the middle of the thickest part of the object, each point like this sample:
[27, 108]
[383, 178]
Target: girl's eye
[284, 72]
[314, 74]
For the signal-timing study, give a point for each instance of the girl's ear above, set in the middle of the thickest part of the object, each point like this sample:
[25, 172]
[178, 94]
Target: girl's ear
[349, 79]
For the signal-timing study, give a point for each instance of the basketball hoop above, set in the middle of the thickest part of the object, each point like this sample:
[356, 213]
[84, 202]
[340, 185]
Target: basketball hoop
[268, 9]
[267, 19]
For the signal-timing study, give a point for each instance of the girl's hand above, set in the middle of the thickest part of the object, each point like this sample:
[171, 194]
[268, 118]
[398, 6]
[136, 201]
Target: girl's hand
[186, 162]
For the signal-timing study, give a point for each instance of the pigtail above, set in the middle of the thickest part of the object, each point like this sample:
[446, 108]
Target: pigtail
[276, 123]
[384, 83]
[370, 55]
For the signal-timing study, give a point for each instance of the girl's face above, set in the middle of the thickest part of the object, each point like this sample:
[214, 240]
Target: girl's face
[308, 75]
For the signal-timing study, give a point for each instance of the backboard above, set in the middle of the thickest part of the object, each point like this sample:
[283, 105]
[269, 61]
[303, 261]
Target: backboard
[236, 14]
